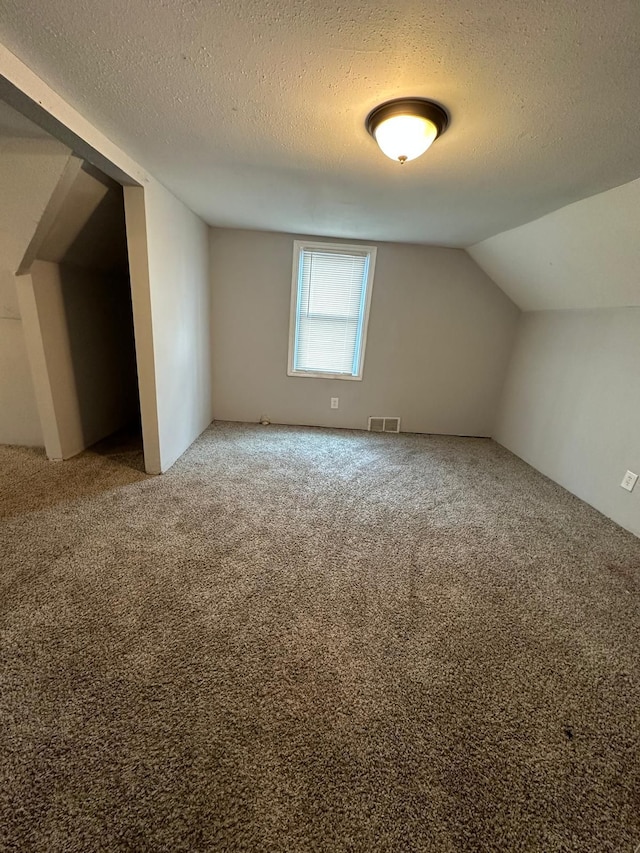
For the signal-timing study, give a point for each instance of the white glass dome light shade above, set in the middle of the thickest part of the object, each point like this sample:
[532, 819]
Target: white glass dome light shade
[405, 127]
[405, 137]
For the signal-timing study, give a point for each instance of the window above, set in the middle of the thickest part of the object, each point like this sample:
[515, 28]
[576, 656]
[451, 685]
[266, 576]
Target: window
[330, 297]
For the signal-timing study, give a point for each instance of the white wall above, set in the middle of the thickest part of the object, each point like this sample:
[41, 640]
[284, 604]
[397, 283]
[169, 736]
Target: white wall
[586, 255]
[169, 264]
[571, 404]
[439, 338]
[29, 171]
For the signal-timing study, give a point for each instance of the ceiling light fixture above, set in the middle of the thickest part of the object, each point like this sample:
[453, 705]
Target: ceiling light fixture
[405, 127]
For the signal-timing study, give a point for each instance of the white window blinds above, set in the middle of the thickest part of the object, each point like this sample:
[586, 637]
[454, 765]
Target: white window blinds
[331, 300]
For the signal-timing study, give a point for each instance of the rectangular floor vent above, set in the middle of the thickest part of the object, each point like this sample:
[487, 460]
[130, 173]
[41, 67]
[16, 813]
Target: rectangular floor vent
[384, 424]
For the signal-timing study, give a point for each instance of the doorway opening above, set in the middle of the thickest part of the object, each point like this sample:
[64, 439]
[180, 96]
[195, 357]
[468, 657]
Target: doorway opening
[66, 290]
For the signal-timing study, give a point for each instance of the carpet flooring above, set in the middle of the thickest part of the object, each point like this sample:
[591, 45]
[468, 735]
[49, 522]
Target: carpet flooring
[312, 640]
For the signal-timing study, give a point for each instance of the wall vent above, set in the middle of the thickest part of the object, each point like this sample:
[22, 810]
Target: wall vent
[384, 424]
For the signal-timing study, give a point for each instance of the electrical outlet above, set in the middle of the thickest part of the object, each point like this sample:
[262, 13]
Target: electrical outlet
[629, 480]
[334, 402]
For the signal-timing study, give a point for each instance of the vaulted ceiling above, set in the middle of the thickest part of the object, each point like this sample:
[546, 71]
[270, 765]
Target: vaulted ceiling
[586, 255]
[31, 163]
[252, 111]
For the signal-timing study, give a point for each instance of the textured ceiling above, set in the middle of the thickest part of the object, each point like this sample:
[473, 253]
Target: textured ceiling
[252, 111]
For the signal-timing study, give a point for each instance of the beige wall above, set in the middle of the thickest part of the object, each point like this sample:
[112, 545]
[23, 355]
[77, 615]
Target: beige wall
[571, 404]
[29, 172]
[84, 322]
[19, 421]
[169, 263]
[439, 338]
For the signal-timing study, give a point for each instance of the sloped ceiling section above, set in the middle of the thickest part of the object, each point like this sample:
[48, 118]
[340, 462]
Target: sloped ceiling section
[586, 255]
[89, 228]
[31, 163]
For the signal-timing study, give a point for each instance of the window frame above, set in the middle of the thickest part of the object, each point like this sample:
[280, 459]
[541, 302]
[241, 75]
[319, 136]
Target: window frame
[346, 249]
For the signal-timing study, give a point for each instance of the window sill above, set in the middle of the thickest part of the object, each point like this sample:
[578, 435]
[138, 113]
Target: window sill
[316, 375]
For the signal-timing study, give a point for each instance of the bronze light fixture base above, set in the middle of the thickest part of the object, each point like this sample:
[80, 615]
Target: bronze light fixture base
[418, 107]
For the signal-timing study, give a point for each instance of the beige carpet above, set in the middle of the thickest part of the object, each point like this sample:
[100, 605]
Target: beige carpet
[314, 640]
